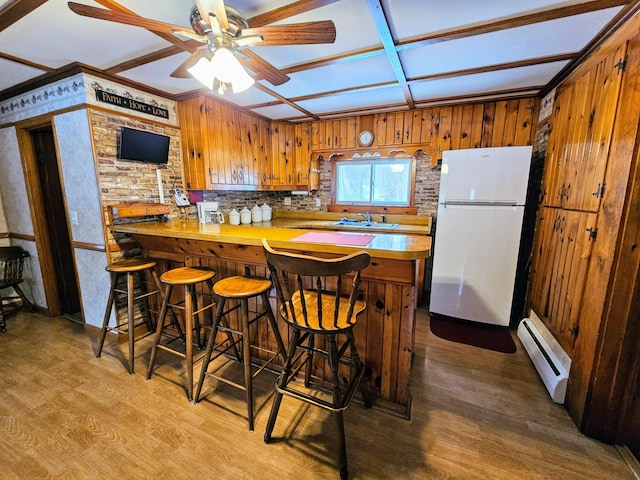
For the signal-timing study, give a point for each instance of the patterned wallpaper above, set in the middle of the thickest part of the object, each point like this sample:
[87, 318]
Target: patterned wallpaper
[77, 90]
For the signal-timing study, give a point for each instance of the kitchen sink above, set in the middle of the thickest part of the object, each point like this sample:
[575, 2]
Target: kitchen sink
[364, 224]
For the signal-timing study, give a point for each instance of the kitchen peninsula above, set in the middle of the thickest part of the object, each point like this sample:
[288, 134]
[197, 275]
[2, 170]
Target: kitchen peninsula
[384, 333]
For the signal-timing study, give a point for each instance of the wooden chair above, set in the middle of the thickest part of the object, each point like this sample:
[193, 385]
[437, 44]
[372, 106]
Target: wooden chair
[11, 267]
[318, 297]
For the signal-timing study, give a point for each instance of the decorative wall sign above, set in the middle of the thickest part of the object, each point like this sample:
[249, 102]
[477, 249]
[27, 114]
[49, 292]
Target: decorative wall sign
[131, 104]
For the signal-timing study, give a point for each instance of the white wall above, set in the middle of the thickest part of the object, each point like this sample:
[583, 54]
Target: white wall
[77, 169]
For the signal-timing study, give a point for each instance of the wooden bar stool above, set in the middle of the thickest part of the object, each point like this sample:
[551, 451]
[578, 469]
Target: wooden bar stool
[188, 277]
[131, 268]
[314, 302]
[240, 288]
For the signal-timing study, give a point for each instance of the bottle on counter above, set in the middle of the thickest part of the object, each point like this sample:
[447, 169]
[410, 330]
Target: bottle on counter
[266, 212]
[245, 216]
[234, 217]
[256, 214]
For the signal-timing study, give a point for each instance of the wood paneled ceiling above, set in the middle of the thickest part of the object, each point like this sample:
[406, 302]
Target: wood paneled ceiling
[388, 54]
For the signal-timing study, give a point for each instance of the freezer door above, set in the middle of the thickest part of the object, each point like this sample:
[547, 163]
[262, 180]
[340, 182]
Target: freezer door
[474, 263]
[485, 174]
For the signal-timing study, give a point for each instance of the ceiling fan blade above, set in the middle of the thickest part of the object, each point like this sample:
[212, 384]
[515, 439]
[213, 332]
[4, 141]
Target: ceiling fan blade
[189, 35]
[119, 17]
[181, 71]
[295, 8]
[262, 68]
[294, 34]
[215, 8]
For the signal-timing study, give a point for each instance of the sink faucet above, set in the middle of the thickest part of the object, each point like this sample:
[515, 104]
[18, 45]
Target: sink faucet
[366, 216]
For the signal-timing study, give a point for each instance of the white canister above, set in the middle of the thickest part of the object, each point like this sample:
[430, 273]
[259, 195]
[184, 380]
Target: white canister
[266, 212]
[234, 217]
[245, 216]
[256, 214]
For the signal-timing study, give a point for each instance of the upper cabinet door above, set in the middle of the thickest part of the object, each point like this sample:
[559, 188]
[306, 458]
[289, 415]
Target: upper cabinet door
[580, 138]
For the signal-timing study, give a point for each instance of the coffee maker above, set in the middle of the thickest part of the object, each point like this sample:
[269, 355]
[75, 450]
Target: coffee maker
[208, 212]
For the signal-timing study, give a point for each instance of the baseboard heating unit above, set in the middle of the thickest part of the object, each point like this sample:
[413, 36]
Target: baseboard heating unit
[550, 360]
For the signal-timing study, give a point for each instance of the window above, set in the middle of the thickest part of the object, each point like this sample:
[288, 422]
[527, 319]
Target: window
[374, 181]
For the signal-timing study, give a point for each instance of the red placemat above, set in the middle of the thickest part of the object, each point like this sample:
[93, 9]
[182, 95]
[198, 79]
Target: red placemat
[337, 238]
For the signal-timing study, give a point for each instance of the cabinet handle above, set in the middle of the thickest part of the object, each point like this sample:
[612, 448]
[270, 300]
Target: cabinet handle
[234, 176]
[398, 135]
[407, 134]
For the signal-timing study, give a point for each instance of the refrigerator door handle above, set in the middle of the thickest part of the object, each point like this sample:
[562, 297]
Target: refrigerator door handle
[497, 203]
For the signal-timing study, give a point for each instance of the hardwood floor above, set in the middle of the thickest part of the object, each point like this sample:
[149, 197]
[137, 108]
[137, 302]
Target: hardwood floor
[476, 414]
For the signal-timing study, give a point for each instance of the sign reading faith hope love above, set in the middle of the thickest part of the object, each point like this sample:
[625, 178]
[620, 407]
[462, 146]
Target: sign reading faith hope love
[131, 104]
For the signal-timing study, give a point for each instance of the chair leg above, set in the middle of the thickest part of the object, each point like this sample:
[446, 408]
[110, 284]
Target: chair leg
[333, 365]
[364, 390]
[309, 360]
[25, 300]
[282, 381]
[274, 326]
[3, 324]
[342, 446]
[107, 314]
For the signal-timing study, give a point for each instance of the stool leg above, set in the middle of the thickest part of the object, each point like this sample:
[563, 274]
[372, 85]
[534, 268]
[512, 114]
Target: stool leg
[158, 334]
[145, 309]
[188, 321]
[107, 314]
[130, 327]
[209, 349]
[246, 357]
[282, 381]
[196, 321]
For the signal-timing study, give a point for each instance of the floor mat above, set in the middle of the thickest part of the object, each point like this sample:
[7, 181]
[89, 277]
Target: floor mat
[490, 337]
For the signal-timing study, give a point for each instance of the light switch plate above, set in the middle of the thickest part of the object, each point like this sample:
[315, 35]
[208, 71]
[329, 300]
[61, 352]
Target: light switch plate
[74, 217]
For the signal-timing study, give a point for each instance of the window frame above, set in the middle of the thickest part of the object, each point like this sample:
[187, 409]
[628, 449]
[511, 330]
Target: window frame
[373, 207]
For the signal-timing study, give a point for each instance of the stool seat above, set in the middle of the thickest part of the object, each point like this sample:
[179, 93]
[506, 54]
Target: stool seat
[130, 265]
[241, 286]
[186, 275]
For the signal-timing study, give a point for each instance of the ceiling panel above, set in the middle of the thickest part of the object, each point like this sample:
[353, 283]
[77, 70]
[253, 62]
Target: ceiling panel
[327, 80]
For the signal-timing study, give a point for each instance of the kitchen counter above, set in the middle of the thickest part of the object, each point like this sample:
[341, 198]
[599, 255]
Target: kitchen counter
[390, 284]
[282, 233]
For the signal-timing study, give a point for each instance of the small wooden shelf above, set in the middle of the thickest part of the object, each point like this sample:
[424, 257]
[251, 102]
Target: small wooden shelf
[136, 209]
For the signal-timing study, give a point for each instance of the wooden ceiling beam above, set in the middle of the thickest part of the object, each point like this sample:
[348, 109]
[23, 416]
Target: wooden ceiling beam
[295, 8]
[382, 24]
[17, 9]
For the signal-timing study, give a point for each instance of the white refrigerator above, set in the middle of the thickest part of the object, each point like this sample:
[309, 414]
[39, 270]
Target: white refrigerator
[478, 228]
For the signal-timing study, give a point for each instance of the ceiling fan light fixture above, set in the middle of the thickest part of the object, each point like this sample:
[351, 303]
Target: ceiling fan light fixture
[203, 72]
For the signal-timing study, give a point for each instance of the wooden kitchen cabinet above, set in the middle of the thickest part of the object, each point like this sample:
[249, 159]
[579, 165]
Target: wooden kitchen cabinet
[282, 141]
[223, 148]
[579, 143]
[195, 151]
[302, 155]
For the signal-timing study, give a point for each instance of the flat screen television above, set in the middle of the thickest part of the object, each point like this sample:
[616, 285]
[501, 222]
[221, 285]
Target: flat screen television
[142, 146]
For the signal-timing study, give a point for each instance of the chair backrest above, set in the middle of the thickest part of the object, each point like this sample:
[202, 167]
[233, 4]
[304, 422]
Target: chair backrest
[11, 264]
[317, 293]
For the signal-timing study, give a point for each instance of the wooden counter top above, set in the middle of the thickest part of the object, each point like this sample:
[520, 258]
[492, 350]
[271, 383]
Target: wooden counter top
[383, 245]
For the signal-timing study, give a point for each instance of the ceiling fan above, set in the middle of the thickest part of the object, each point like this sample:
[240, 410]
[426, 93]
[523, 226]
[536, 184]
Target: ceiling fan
[221, 38]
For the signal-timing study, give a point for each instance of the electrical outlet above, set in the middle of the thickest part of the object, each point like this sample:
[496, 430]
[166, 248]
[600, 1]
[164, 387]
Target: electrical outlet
[287, 201]
[74, 217]
[318, 202]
